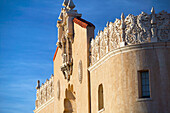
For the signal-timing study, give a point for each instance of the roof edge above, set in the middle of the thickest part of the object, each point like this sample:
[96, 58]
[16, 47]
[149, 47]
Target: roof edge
[83, 23]
[55, 54]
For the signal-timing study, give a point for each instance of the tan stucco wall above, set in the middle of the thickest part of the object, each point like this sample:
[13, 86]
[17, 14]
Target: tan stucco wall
[117, 71]
[79, 52]
[46, 108]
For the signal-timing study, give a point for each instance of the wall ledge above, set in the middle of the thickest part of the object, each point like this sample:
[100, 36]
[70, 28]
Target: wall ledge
[144, 46]
[44, 105]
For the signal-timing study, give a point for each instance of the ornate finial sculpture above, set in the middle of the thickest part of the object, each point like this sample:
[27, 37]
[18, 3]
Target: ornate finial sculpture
[153, 20]
[98, 32]
[153, 10]
[65, 36]
[38, 85]
[65, 3]
[107, 25]
[70, 5]
[122, 16]
[153, 25]
[123, 30]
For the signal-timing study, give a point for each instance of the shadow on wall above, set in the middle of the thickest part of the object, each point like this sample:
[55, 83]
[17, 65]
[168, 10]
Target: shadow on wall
[70, 100]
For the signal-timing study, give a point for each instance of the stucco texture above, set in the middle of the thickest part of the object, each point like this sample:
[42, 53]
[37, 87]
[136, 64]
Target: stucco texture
[119, 77]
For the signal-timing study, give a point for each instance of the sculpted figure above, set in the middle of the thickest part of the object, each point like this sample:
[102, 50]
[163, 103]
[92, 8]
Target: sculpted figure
[93, 54]
[97, 45]
[163, 20]
[143, 21]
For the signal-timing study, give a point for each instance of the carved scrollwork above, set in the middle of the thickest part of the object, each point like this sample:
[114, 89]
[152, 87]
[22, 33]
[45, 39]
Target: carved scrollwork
[102, 44]
[112, 35]
[45, 92]
[97, 47]
[93, 57]
[143, 21]
[66, 37]
[163, 20]
[131, 30]
[137, 29]
[117, 29]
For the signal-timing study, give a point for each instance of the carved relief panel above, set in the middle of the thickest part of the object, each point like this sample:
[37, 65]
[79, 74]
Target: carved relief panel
[66, 37]
[80, 71]
[163, 23]
[142, 28]
[58, 89]
[44, 92]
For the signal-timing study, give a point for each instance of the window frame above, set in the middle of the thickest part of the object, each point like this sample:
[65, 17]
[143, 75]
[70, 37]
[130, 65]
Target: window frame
[140, 96]
[100, 108]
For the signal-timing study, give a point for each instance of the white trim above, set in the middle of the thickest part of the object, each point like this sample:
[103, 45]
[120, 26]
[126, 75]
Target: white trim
[101, 110]
[127, 49]
[143, 99]
[44, 105]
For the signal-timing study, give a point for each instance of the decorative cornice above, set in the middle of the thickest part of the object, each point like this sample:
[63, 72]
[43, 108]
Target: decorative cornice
[132, 30]
[44, 92]
[129, 48]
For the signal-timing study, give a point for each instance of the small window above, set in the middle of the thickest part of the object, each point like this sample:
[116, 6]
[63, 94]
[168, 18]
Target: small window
[100, 97]
[144, 84]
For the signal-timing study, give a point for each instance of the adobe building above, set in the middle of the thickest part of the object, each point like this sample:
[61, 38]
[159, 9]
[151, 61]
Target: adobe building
[125, 69]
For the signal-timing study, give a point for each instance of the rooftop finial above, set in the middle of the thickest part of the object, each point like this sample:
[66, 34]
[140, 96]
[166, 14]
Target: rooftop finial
[122, 16]
[122, 21]
[38, 84]
[153, 19]
[61, 16]
[70, 5]
[107, 24]
[98, 32]
[65, 3]
[153, 10]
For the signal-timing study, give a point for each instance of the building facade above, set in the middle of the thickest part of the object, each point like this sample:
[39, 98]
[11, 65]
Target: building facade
[124, 69]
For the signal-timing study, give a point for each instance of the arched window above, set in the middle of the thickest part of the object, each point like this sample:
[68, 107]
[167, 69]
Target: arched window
[100, 97]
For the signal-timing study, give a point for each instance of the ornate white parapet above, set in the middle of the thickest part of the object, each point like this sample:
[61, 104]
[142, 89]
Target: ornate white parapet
[45, 92]
[143, 28]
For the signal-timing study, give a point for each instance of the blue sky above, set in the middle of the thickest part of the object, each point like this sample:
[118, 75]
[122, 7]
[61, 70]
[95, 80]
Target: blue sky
[28, 37]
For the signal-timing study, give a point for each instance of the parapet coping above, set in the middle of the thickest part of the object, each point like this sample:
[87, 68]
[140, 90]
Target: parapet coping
[44, 105]
[128, 48]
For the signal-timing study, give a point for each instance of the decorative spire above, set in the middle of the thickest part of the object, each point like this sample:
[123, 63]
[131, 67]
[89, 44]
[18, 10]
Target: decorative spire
[47, 80]
[98, 32]
[38, 85]
[153, 18]
[122, 16]
[70, 5]
[61, 16]
[122, 21]
[123, 30]
[65, 3]
[153, 26]
[107, 25]
[153, 10]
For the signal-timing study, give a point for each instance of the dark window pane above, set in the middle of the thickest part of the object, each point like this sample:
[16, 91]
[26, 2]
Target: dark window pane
[145, 84]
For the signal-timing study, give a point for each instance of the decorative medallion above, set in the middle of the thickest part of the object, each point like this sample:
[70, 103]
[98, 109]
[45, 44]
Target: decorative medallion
[58, 89]
[80, 72]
